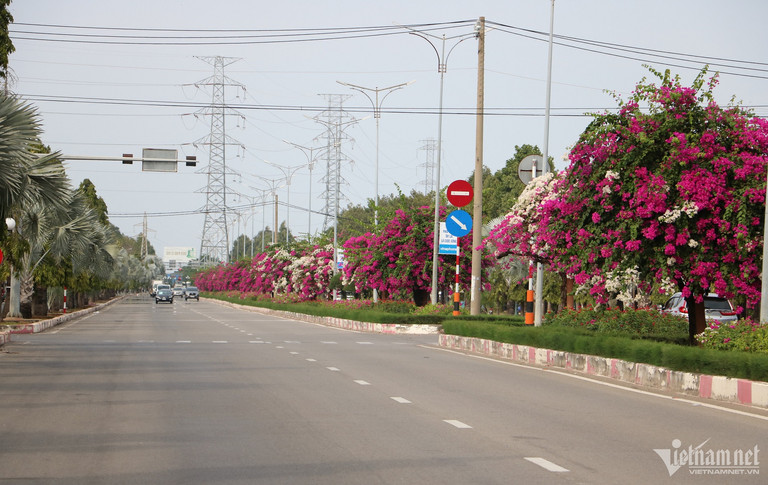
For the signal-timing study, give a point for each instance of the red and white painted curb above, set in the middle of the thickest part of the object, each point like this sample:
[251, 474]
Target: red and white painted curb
[718, 388]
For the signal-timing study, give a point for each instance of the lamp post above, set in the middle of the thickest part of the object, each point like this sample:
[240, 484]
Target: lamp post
[376, 114]
[309, 153]
[288, 173]
[539, 295]
[442, 67]
[273, 185]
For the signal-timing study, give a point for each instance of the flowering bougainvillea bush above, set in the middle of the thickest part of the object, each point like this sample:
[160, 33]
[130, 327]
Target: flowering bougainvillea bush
[745, 335]
[398, 261]
[304, 274]
[670, 189]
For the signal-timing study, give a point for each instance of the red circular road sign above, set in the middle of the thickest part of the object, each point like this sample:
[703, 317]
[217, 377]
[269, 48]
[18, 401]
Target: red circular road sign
[459, 193]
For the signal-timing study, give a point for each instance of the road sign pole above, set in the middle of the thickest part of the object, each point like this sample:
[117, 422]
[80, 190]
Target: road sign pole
[456, 294]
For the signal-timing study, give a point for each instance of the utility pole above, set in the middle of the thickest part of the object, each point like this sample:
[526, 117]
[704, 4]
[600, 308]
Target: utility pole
[477, 208]
[539, 295]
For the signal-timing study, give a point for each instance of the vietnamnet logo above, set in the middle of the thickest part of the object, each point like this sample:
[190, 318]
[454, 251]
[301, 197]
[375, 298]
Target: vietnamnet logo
[701, 461]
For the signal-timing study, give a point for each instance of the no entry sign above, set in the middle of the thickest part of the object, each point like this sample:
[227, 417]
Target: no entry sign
[459, 193]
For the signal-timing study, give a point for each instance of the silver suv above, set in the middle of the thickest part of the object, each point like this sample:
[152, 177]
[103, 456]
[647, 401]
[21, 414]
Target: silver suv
[191, 292]
[716, 308]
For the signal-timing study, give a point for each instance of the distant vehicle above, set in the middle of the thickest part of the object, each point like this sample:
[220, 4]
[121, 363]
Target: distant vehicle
[191, 292]
[155, 283]
[178, 291]
[716, 308]
[164, 294]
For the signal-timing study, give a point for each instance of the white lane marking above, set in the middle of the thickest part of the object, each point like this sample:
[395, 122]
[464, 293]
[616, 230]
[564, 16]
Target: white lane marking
[328, 343]
[183, 341]
[294, 353]
[255, 341]
[457, 423]
[311, 360]
[333, 369]
[219, 342]
[401, 400]
[365, 343]
[362, 382]
[546, 464]
[291, 341]
[601, 383]
[279, 347]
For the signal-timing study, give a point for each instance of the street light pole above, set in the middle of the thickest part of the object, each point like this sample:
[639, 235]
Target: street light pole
[310, 165]
[539, 295]
[442, 67]
[288, 173]
[377, 115]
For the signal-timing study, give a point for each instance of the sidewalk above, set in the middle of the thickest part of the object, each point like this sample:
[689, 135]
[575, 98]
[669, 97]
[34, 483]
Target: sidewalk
[39, 326]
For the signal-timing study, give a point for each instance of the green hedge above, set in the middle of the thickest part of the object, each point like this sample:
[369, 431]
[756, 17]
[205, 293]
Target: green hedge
[677, 357]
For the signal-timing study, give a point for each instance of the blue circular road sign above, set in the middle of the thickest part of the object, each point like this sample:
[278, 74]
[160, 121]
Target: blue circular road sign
[459, 223]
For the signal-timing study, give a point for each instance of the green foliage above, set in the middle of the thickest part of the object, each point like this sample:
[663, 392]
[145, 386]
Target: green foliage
[648, 324]
[6, 45]
[744, 335]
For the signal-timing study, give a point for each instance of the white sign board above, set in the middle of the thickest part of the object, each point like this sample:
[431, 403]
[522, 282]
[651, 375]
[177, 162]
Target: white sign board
[447, 241]
[157, 157]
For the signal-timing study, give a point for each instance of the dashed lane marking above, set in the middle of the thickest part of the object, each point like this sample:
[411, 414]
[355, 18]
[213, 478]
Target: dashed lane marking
[333, 369]
[401, 400]
[457, 423]
[546, 464]
[362, 382]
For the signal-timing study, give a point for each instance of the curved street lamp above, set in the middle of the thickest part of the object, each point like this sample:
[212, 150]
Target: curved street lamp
[442, 67]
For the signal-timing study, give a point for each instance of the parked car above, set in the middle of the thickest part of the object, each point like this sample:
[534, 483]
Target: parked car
[178, 290]
[716, 308]
[164, 294]
[191, 292]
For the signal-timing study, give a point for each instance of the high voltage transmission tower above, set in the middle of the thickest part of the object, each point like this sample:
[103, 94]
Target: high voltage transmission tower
[214, 247]
[336, 121]
[430, 147]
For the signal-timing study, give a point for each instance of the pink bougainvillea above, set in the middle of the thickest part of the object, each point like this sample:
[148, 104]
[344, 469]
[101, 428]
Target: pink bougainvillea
[672, 187]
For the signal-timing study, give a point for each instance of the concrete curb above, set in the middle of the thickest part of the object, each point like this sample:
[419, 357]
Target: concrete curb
[385, 328]
[717, 388]
[42, 325]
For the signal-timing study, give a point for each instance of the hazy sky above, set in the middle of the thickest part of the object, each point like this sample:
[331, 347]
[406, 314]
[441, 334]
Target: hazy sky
[99, 93]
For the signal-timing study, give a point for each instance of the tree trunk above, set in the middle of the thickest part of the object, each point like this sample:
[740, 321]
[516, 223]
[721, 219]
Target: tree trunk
[421, 297]
[14, 308]
[40, 302]
[697, 318]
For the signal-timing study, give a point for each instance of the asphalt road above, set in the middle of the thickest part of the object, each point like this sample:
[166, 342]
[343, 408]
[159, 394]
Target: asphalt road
[199, 393]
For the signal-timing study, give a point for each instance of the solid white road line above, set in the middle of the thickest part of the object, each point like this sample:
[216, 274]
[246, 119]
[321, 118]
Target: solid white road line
[546, 464]
[458, 424]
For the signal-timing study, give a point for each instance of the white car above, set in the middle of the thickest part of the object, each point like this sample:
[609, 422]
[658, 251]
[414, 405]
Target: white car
[716, 308]
[178, 291]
